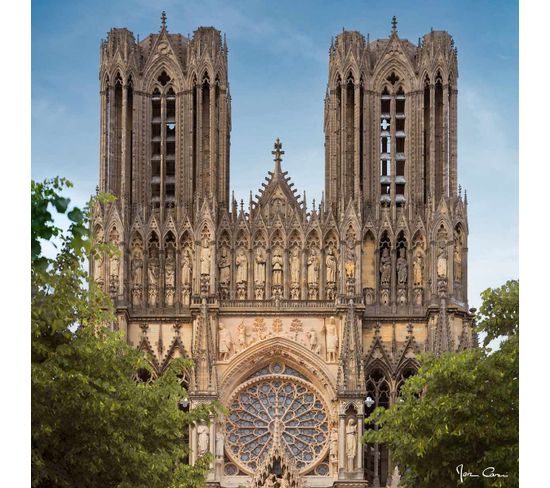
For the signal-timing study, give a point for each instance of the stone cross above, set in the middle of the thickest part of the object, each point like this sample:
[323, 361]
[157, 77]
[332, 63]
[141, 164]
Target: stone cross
[278, 152]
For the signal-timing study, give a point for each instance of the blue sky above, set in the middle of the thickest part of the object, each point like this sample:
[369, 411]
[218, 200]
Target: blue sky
[278, 65]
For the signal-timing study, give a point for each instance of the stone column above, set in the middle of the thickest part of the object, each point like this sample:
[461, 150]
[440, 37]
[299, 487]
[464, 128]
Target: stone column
[341, 443]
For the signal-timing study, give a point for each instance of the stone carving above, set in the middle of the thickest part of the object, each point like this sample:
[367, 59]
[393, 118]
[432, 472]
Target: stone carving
[457, 260]
[259, 291]
[277, 267]
[203, 439]
[385, 268]
[259, 266]
[205, 257]
[224, 265]
[260, 328]
[242, 336]
[334, 448]
[369, 296]
[385, 297]
[313, 342]
[295, 265]
[350, 263]
[418, 268]
[277, 326]
[241, 291]
[295, 328]
[170, 278]
[153, 273]
[220, 438]
[186, 267]
[402, 268]
[442, 261]
[242, 266]
[98, 269]
[332, 340]
[330, 264]
[137, 274]
[418, 296]
[224, 343]
[313, 267]
[351, 443]
[295, 291]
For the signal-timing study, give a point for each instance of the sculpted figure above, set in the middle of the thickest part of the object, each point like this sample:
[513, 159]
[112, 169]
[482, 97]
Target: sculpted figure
[334, 446]
[114, 264]
[418, 268]
[259, 266]
[402, 268]
[98, 268]
[457, 263]
[332, 340]
[313, 342]
[242, 335]
[153, 271]
[351, 443]
[350, 262]
[203, 438]
[219, 445]
[313, 267]
[205, 257]
[137, 268]
[186, 267]
[224, 265]
[170, 270]
[295, 265]
[442, 261]
[242, 266]
[277, 264]
[385, 267]
[224, 342]
[330, 263]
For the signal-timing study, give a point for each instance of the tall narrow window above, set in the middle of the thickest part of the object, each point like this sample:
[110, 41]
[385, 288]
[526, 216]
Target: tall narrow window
[438, 127]
[400, 147]
[156, 138]
[426, 138]
[385, 147]
[163, 144]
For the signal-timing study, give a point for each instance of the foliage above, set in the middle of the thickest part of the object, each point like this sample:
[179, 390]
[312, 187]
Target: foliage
[93, 424]
[460, 409]
[499, 312]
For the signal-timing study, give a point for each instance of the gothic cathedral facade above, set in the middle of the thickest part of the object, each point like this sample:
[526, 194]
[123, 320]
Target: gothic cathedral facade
[294, 315]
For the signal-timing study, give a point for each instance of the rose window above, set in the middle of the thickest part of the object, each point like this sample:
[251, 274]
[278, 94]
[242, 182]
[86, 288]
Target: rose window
[269, 406]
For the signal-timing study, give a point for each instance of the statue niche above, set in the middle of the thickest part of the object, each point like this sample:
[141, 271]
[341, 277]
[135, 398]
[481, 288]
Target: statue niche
[313, 274]
[331, 340]
[224, 343]
[114, 263]
[153, 275]
[224, 267]
[170, 276]
[205, 262]
[331, 263]
[277, 272]
[136, 269]
[99, 260]
[295, 273]
[186, 274]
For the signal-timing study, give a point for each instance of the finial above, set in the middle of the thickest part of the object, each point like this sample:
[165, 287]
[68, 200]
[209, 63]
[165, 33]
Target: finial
[97, 190]
[368, 38]
[242, 206]
[419, 42]
[394, 24]
[278, 152]
[163, 20]
[459, 191]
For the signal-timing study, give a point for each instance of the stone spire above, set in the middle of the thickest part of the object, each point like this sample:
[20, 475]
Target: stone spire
[278, 152]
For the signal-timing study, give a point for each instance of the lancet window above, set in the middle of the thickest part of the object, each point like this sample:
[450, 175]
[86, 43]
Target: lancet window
[163, 144]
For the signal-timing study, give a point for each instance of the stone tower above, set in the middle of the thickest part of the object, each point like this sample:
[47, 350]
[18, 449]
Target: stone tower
[300, 319]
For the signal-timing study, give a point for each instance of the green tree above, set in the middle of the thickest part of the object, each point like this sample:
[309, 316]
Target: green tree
[461, 409]
[93, 424]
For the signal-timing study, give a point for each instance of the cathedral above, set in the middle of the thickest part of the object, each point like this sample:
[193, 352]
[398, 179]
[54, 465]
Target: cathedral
[299, 319]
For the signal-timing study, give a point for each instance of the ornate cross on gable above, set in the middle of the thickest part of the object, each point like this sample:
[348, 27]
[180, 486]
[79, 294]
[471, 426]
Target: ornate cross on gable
[278, 152]
[163, 20]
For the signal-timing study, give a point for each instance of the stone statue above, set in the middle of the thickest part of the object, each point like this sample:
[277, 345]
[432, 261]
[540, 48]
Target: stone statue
[224, 265]
[385, 268]
[442, 261]
[153, 271]
[351, 443]
[312, 341]
[395, 478]
[330, 264]
[350, 262]
[219, 445]
[137, 268]
[114, 265]
[242, 336]
[205, 257]
[259, 266]
[313, 267]
[203, 438]
[332, 340]
[334, 446]
[418, 268]
[186, 267]
[224, 342]
[402, 268]
[242, 266]
[98, 268]
[295, 265]
[457, 263]
[277, 267]
[170, 271]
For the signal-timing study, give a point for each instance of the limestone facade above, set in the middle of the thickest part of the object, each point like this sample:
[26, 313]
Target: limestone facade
[293, 314]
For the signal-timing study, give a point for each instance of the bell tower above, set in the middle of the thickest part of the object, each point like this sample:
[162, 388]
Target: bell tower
[165, 120]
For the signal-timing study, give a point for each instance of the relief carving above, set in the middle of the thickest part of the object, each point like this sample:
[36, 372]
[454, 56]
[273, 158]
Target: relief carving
[332, 340]
[224, 343]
